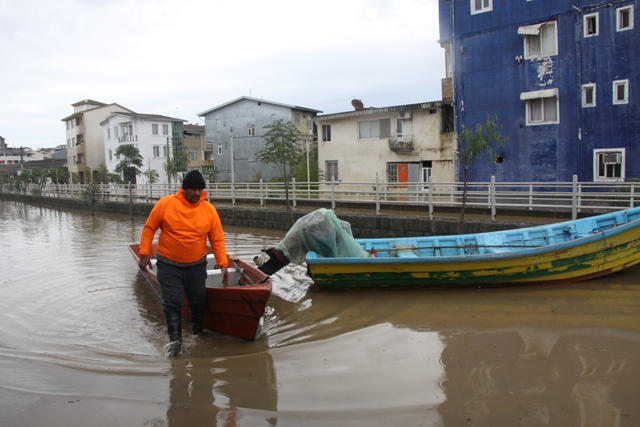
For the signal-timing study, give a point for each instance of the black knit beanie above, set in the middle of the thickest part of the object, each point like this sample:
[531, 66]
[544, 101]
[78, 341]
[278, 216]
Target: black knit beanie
[193, 180]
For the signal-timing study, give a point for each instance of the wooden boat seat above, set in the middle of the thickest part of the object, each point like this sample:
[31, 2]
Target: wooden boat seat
[214, 278]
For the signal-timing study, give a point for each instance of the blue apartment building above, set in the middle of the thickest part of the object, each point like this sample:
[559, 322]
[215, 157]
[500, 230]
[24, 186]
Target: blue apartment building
[563, 78]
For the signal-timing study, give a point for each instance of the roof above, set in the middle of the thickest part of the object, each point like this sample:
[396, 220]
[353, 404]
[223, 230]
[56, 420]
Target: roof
[375, 110]
[150, 117]
[530, 30]
[248, 98]
[194, 129]
[79, 113]
[536, 94]
[13, 168]
[89, 101]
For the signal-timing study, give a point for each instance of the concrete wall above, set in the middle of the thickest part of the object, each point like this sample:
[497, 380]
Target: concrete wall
[275, 218]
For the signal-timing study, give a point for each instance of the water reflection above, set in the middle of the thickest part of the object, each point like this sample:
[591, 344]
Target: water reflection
[82, 336]
[539, 378]
[217, 392]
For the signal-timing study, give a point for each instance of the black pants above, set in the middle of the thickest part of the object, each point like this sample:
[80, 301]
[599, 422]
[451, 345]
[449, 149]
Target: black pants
[176, 280]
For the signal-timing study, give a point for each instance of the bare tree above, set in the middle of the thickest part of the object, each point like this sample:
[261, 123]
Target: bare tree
[483, 138]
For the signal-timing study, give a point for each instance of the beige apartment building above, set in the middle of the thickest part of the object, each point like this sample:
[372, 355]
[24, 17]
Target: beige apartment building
[84, 135]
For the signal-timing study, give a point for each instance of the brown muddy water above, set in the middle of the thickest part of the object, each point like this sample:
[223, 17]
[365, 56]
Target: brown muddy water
[82, 336]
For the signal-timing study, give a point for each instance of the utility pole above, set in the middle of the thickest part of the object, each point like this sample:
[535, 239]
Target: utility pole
[233, 200]
[308, 141]
[168, 162]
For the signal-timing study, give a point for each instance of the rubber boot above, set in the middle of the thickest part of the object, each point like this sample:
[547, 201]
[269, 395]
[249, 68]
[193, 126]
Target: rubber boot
[197, 317]
[174, 327]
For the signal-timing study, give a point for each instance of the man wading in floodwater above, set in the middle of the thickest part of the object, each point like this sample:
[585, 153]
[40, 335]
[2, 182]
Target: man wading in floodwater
[185, 220]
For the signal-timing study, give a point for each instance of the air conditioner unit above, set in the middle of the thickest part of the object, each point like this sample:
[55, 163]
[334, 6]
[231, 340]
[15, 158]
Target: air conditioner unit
[405, 115]
[612, 158]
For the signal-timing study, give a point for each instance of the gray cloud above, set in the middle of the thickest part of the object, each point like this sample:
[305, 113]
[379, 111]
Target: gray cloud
[156, 56]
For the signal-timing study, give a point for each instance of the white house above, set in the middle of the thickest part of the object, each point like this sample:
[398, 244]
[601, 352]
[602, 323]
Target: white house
[404, 143]
[155, 137]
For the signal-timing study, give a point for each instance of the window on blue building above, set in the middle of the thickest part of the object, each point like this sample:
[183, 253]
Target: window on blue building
[591, 25]
[621, 92]
[480, 6]
[542, 106]
[609, 164]
[543, 110]
[589, 95]
[624, 18]
[539, 40]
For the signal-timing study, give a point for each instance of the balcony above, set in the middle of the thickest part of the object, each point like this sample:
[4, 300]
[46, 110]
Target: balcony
[401, 144]
[128, 138]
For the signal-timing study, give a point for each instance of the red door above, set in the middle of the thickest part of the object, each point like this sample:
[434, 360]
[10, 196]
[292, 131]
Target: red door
[403, 174]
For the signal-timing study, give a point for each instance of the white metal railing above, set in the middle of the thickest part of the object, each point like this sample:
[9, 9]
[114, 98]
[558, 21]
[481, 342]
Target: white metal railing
[574, 197]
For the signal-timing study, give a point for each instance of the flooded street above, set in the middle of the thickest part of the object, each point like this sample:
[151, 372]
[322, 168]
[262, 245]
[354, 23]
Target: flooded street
[82, 336]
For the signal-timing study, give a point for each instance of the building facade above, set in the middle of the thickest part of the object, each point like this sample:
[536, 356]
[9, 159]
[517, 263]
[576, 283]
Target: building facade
[200, 154]
[562, 77]
[238, 127]
[399, 144]
[85, 142]
[156, 137]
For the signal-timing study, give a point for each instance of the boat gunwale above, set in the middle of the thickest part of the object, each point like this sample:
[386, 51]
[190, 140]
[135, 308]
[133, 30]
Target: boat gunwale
[267, 284]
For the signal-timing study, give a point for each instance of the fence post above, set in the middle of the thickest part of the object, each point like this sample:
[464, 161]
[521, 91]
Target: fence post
[261, 195]
[377, 196]
[233, 194]
[430, 199]
[492, 190]
[333, 193]
[574, 198]
[293, 190]
[130, 198]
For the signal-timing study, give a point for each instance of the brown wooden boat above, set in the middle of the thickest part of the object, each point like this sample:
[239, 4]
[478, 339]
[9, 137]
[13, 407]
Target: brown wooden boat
[236, 310]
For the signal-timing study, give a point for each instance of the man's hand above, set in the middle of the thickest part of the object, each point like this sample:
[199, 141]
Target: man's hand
[225, 276]
[145, 262]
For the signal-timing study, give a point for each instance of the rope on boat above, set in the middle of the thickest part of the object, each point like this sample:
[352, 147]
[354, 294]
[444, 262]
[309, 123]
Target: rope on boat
[242, 273]
[413, 248]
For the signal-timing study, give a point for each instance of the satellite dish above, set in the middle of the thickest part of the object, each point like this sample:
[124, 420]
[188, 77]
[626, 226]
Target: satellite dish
[357, 104]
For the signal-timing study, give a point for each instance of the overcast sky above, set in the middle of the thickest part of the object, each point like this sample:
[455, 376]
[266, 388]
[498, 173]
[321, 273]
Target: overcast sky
[180, 58]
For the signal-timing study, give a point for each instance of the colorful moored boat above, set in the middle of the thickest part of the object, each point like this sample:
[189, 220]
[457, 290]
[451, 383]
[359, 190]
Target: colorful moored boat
[565, 252]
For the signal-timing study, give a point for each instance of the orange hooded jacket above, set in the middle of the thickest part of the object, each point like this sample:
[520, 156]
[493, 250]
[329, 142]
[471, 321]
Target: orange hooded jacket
[184, 229]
